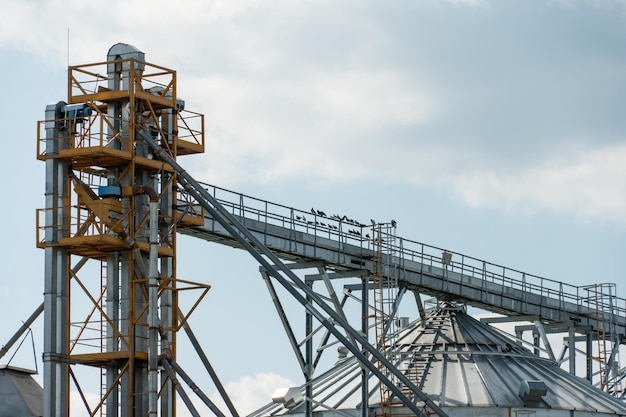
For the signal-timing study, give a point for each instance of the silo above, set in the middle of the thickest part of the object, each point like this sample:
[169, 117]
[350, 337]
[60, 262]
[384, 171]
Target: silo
[465, 367]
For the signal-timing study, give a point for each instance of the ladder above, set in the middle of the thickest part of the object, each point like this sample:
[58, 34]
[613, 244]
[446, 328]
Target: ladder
[385, 283]
[603, 297]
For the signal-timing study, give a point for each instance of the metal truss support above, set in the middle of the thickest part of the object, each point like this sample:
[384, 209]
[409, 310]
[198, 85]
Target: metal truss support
[589, 350]
[610, 364]
[295, 286]
[571, 343]
[394, 309]
[309, 360]
[207, 365]
[334, 299]
[324, 341]
[544, 339]
[179, 389]
[308, 357]
[608, 376]
[364, 330]
[205, 399]
[420, 305]
[23, 328]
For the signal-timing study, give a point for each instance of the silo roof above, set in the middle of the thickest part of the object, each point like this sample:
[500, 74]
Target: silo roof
[460, 362]
[20, 394]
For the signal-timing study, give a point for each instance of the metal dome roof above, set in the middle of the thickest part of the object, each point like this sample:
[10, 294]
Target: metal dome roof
[460, 362]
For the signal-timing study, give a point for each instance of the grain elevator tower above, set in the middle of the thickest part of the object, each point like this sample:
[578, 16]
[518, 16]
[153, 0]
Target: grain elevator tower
[112, 297]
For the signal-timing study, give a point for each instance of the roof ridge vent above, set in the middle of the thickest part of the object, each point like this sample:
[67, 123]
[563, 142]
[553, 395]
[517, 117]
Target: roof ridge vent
[531, 391]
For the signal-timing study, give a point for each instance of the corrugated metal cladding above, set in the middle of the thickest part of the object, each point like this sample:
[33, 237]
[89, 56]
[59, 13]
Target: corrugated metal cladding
[469, 369]
[20, 394]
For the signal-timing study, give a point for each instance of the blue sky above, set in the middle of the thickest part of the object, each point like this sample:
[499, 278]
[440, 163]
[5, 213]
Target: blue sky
[491, 128]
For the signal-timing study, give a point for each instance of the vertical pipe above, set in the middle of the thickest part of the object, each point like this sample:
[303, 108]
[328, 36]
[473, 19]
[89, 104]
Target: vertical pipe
[589, 356]
[153, 319]
[364, 330]
[420, 305]
[112, 345]
[536, 343]
[126, 321]
[167, 273]
[572, 349]
[308, 370]
[56, 265]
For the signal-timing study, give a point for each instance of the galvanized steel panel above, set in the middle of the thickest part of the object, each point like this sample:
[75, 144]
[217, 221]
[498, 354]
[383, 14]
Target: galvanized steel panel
[469, 369]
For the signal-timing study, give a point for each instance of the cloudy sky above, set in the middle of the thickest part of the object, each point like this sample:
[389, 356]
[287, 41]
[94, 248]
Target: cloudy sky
[491, 128]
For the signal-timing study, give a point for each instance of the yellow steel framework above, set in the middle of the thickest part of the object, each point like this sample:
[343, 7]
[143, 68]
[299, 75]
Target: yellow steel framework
[106, 234]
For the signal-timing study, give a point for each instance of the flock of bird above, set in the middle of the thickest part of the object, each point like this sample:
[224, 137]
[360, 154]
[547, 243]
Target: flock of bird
[340, 219]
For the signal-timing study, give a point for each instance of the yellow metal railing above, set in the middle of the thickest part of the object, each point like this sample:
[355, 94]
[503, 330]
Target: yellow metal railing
[94, 134]
[83, 223]
[145, 80]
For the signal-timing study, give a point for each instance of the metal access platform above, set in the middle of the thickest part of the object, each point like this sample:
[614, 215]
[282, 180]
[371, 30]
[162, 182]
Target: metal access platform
[346, 245]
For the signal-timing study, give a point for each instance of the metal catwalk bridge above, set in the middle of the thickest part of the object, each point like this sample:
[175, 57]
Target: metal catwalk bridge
[344, 244]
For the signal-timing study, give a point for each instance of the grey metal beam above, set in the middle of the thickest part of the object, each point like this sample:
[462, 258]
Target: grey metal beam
[334, 299]
[420, 305]
[359, 287]
[571, 343]
[309, 368]
[207, 365]
[179, 389]
[508, 319]
[205, 399]
[589, 361]
[326, 336]
[544, 338]
[357, 273]
[285, 321]
[300, 265]
[549, 327]
[365, 330]
[23, 328]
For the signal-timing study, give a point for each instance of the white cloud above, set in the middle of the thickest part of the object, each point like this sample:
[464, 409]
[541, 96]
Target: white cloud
[468, 2]
[77, 406]
[315, 124]
[251, 393]
[247, 395]
[290, 92]
[591, 185]
[41, 27]
[593, 3]
[366, 99]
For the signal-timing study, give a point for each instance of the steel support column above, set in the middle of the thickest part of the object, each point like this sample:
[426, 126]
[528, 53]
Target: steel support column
[365, 330]
[56, 265]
